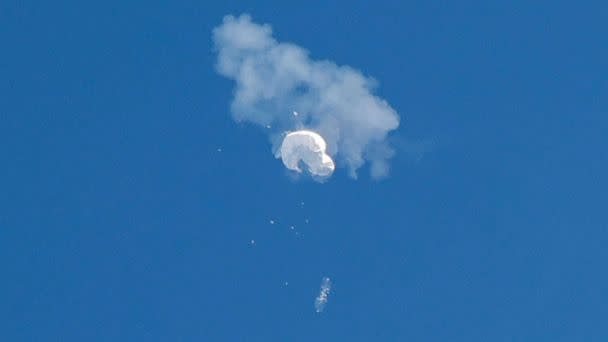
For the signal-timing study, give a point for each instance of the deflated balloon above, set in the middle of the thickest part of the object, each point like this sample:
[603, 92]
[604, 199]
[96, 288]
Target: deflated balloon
[309, 149]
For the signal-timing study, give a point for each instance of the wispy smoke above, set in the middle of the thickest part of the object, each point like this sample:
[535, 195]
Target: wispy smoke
[323, 296]
[275, 79]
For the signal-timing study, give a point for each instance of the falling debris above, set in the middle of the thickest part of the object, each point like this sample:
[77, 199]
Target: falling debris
[321, 300]
[308, 148]
[219, 149]
[292, 227]
[286, 283]
[295, 113]
[268, 126]
[271, 221]
[253, 242]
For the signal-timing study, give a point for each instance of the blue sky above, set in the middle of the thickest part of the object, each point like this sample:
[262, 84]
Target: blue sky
[120, 220]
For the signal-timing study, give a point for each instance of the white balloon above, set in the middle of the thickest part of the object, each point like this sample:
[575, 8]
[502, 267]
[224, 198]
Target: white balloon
[308, 148]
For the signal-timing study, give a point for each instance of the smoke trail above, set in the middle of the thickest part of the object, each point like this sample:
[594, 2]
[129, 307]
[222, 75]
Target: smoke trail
[322, 298]
[280, 88]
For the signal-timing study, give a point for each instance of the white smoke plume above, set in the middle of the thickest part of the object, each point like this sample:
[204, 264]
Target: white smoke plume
[279, 87]
[323, 296]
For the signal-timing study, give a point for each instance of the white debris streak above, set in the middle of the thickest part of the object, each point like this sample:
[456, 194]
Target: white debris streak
[323, 296]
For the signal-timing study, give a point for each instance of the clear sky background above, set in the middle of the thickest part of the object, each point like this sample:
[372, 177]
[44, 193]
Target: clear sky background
[120, 220]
